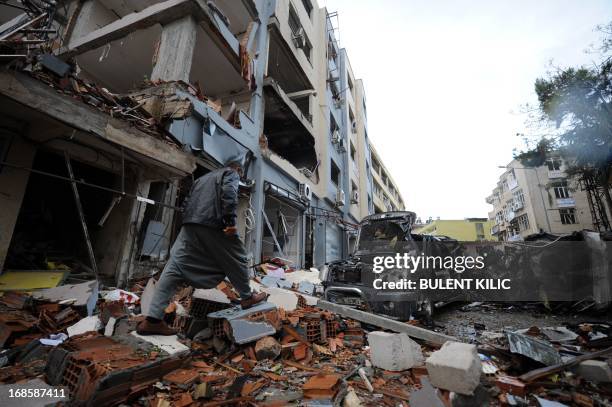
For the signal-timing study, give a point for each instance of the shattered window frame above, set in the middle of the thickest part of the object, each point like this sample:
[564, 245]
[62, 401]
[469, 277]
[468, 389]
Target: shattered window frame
[523, 222]
[561, 190]
[568, 216]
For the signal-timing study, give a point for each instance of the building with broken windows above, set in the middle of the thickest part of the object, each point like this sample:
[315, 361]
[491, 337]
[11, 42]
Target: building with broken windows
[528, 200]
[386, 193]
[110, 108]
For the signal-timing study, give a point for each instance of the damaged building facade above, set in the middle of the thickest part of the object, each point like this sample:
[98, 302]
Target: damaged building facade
[111, 108]
[528, 200]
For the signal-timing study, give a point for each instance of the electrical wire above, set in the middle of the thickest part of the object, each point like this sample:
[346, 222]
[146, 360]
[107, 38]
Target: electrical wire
[537, 246]
[249, 217]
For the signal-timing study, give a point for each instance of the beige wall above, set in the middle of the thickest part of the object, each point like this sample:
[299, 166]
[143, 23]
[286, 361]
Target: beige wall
[360, 146]
[385, 186]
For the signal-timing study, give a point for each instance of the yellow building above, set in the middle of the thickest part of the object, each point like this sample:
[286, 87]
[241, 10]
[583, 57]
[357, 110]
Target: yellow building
[466, 230]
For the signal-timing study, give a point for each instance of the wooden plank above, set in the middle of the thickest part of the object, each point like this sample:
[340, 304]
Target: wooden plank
[38, 96]
[386, 323]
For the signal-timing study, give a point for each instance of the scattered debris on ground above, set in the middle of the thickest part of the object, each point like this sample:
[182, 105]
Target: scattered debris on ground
[287, 351]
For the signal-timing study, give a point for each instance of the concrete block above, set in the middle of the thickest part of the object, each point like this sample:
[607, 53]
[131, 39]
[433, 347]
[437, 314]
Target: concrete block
[170, 344]
[83, 295]
[351, 399]
[147, 296]
[595, 371]
[211, 294]
[85, 325]
[267, 348]
[455, 367]
[282, 298]
[391, 351]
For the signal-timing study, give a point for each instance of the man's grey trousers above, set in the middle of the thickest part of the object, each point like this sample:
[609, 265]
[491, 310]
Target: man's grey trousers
[202, 257]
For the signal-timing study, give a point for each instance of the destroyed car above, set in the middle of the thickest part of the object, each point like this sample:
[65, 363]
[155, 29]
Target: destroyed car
[351, 281]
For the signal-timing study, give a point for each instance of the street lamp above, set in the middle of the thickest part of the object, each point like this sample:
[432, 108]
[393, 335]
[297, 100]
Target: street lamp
[539, 188]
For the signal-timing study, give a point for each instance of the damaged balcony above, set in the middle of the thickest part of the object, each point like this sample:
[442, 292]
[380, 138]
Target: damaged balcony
[283, 63]
[23, 97]
[58, 134]
[288, 130]
[188, 40]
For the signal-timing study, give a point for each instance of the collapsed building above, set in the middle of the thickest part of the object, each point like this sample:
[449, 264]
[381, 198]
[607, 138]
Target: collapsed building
[110, 109]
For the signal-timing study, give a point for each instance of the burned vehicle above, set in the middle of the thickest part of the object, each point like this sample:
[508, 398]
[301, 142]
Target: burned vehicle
[352, 281]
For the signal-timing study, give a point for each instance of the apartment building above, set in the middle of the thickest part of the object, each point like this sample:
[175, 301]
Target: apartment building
[386, 193]
[110, 109]
[528, 200]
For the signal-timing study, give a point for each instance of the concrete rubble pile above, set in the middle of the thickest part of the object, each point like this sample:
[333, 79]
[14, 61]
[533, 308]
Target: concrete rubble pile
[83, 340]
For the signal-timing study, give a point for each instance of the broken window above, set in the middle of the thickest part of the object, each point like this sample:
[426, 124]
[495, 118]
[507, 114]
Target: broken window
[375, 166]
[354, 193]
[499, 218]
[294, 20]
[48, 227]
[300, 40]
[307, 48]
[335, 173]
[289, 133]
[568, 216]
[554, 164]
[518, 198]
[333, 126]
[282, 231]
[155, 231]
[561, 190]
[308, 7]
[523, 222]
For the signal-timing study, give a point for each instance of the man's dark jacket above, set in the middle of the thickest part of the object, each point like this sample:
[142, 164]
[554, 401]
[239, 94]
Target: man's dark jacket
[213, 199]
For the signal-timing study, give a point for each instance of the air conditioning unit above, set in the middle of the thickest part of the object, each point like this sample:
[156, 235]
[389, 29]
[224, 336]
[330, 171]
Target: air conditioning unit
[354, 127]
[340, 197]
[299, 39]
[355, 197]
[305, 192]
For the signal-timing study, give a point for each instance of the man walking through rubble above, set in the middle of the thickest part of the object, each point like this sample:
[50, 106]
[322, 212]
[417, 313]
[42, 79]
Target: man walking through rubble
[207, 248]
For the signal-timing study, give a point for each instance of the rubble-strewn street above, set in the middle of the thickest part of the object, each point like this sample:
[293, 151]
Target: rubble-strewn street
[289, 351]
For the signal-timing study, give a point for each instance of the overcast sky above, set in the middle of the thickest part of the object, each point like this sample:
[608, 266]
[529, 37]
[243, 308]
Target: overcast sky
[445, 81]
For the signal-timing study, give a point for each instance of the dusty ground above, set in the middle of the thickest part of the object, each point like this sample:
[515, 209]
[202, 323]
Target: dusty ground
[458, 320]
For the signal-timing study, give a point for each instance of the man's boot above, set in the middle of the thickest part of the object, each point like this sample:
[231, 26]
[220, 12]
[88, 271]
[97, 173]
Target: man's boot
[147, 327]
[254, 299]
